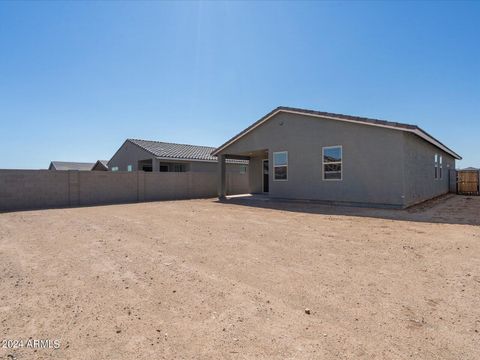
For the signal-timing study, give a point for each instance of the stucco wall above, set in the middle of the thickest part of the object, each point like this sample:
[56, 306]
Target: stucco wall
[372, 159]
[453, 181]
[420, 182]
[37, 189]
[128, 154]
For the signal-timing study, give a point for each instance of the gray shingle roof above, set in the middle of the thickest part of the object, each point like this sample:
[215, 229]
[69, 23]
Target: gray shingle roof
[69, 165]
[176, 151]
[179, 151]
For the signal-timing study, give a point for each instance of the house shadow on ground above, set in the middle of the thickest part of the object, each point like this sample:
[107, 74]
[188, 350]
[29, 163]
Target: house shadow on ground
[447, 209]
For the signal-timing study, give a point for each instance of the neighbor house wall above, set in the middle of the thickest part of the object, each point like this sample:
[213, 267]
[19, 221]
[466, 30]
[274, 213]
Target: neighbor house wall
[39, 189]
[420, 182]
[203, 166]
[129, 154]
[191, 166]
[372, 159]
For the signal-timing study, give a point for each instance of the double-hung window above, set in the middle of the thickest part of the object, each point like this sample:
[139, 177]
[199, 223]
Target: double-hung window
[332, 162]
[435, 159]
[280, 166]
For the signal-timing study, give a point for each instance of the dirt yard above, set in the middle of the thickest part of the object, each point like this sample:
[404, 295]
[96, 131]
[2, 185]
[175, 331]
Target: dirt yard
[201, 279]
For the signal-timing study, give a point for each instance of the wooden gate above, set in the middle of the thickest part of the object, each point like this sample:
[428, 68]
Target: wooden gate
[468, 182]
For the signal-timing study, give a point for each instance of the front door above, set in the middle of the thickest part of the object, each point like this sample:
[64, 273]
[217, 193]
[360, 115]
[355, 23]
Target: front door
[265, 176]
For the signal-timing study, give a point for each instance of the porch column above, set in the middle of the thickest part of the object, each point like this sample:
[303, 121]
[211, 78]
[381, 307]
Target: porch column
[222, 190]
[155, 165]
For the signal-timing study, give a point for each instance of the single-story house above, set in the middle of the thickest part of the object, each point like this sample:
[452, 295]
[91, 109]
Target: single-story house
[69, 165]
[334, 158]
[100, 165]
[146, 155]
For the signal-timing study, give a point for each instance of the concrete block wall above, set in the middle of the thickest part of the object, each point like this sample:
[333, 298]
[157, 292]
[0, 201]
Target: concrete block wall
[26, 189]
[42, 189]
[107, 187]
[169, 186]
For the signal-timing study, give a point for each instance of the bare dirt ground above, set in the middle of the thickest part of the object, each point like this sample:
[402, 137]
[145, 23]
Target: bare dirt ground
[201, 279]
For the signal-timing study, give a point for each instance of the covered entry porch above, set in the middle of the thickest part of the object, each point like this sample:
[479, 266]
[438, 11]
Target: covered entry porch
[259, 171]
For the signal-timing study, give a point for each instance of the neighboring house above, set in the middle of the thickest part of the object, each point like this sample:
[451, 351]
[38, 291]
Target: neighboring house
[68, 165]
[100, 165]
[135, 155]
[311, 155]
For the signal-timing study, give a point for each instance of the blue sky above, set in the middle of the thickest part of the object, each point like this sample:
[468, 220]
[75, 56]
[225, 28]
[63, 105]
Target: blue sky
[76, 79]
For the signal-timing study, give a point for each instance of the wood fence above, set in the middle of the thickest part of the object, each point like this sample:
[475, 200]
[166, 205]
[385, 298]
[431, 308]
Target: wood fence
[468, 182]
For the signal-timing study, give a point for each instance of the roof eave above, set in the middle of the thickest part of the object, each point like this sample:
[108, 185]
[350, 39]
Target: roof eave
[427, 137]
[413, 129]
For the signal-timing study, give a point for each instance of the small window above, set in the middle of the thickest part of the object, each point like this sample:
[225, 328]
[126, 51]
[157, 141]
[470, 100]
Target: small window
[129, 168]
[440, 167]
[114, 168]
[280, 166]
[243, 169]
[332, 163]
[435, 159]
[163, 168]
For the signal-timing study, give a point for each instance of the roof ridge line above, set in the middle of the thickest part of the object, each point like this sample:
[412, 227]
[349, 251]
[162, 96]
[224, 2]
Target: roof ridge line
[415, 129]
[326, 113]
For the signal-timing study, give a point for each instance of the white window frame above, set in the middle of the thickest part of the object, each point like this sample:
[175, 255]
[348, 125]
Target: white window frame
[333, 162]
[114, 168]
[129, 167]
[274, 166]
[435, 173]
